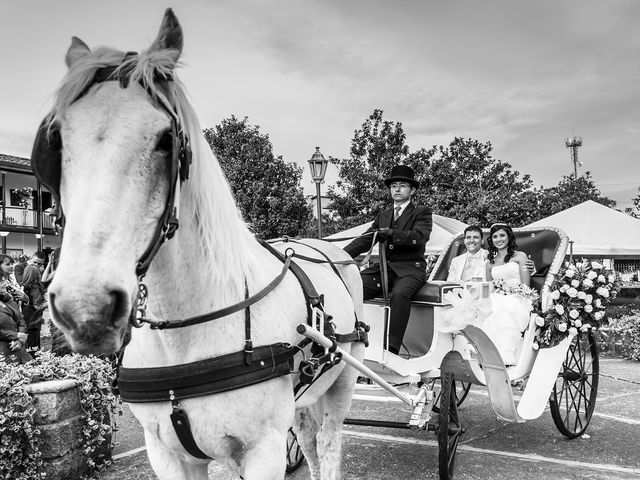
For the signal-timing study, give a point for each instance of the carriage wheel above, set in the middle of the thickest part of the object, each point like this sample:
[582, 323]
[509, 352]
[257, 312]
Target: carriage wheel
[461, 390]
[294, 452]
[574, 394]
[448, 428]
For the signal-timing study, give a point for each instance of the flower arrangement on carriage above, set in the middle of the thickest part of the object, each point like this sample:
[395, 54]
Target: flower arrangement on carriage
[25, 195]
[580, 293]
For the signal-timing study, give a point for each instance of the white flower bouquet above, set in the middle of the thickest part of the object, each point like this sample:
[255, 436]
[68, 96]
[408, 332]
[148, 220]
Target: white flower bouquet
[513, 288]
[580, 294]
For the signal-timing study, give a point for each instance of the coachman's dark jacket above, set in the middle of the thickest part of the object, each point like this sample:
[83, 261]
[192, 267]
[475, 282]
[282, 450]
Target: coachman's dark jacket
[405, 248]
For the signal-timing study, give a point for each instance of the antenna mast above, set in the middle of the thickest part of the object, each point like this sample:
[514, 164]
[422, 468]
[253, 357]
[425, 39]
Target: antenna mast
[574, 143]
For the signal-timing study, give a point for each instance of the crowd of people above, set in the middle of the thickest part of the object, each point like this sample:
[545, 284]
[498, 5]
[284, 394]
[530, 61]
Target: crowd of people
[22, 302]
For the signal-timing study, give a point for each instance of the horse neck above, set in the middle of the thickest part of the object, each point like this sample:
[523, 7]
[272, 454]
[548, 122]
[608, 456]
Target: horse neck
[213, 252]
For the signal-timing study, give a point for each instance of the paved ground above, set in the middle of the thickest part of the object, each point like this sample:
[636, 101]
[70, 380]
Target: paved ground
[490, 449]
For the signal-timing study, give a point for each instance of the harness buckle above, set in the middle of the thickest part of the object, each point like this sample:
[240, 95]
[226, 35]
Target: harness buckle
[172, 225]
[248, 351]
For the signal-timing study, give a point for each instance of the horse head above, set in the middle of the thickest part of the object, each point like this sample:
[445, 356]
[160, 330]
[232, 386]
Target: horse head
[108, 152]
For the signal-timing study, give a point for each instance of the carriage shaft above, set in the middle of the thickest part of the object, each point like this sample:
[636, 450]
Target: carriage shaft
[317, 337]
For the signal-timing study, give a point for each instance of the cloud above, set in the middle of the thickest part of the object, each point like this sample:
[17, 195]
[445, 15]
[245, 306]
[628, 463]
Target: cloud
[523, 75]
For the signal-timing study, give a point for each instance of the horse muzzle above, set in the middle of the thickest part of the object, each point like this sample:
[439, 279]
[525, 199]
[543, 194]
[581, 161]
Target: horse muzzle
[92, 322]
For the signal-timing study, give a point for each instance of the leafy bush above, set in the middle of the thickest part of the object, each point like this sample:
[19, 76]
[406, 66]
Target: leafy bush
[20, 456]
[628, 325]
[621, 310]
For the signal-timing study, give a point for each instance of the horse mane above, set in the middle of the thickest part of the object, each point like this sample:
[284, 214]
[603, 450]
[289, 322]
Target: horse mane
[225, 238]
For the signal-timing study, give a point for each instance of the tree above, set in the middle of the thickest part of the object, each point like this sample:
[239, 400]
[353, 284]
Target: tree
[465, 182]
[359, 193]
[267, 189]
[635, 210]
[462, 180]
[569, 192]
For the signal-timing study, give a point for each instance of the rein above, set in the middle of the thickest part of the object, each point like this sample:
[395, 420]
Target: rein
[139, 319]
[206, 317]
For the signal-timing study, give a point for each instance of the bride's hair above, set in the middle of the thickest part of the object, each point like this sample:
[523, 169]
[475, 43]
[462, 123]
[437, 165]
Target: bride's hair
[511, 246]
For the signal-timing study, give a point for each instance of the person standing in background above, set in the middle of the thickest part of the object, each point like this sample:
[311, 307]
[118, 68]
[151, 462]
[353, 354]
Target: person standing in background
[32, 310]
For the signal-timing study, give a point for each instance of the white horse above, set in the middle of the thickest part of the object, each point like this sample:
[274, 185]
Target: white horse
[114, 183]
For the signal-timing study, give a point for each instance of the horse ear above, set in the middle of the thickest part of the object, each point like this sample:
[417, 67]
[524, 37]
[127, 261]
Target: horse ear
[77, 50]
[170, 35]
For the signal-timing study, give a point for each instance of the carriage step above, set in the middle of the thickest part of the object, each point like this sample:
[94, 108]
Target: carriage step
[422, 406]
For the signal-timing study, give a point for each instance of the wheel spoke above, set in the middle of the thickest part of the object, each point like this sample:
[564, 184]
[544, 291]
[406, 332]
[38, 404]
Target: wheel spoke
[574, 394]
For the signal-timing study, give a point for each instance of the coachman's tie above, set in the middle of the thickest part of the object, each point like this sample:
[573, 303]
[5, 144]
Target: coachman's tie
[396, 213]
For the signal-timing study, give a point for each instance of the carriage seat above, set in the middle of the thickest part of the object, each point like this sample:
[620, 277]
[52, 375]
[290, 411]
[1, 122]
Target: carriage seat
[541, 244]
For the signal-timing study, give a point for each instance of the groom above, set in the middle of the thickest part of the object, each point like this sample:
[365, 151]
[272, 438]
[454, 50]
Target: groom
[403, 232]
[471, 265]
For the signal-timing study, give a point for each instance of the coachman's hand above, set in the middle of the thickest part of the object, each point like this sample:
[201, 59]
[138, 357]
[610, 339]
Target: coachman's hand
[384, 234]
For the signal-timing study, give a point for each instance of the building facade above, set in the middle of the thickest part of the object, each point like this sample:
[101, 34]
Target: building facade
[26, 224]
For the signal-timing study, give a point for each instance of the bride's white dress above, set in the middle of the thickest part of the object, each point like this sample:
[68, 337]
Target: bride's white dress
[510, 314]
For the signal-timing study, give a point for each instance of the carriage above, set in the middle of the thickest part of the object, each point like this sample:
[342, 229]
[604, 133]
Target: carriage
[445, 364]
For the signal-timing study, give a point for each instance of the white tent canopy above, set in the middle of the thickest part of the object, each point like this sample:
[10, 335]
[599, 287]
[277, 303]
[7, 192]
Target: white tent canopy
[597, 230]
[444, 229]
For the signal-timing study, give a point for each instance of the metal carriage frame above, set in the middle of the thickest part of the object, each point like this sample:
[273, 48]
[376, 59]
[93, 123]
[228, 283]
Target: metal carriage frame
[444, 365]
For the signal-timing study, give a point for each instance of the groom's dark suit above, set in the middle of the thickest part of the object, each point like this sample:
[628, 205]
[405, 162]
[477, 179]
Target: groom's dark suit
[405, 261]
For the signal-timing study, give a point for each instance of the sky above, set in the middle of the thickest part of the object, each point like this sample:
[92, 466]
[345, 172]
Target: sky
[523, 75]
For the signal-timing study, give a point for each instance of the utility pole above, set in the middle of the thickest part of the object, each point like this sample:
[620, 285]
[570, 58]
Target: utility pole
[574, 143]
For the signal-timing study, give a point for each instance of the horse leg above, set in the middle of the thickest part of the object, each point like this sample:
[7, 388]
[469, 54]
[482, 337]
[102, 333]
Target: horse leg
[266, 460]
[306, 428]
[337, 402]
[169, 466]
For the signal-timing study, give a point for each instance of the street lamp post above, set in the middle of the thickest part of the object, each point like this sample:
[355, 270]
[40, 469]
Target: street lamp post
[318, 165]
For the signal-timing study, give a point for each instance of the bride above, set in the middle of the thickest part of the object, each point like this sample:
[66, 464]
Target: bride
[507, 267]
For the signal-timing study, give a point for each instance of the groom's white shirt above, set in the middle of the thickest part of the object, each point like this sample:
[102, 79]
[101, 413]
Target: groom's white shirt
[467, 266]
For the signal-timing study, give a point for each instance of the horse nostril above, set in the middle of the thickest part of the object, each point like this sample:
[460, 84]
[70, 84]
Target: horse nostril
[117, 307]
[65, 321]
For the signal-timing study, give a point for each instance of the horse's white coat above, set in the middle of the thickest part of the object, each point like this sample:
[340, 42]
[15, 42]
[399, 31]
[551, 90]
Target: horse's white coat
[113, 190]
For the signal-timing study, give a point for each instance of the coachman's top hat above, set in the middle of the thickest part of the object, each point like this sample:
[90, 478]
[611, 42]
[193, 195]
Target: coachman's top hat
[402, 173]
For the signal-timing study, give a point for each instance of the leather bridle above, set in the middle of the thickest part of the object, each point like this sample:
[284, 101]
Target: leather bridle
[46, 155]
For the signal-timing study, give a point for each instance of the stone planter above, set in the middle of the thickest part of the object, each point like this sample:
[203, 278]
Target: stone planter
[60, 418]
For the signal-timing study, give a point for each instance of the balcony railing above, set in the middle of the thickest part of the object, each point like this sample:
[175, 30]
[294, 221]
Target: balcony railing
[20, 218]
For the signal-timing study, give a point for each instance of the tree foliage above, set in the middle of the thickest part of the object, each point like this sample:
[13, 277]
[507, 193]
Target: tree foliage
[635, 210]
[569, 192]
[461, 180]
[267, 189]
[359, 192]
[465, 182]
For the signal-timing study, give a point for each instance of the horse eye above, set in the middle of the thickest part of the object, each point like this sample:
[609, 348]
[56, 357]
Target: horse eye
[165, 142]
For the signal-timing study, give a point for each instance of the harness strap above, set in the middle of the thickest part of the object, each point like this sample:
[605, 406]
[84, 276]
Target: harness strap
[328, 260]
[205, 377]
[360, 334]
[182, 427]
[310, 292]
[206, 317]
[248, 344]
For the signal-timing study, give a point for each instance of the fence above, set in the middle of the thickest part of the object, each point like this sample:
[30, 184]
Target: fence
[22, 217]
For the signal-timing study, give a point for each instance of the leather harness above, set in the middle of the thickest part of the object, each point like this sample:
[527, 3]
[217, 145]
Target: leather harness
[205, 377]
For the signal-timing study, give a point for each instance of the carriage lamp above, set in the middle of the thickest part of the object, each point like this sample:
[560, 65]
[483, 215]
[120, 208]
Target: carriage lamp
[318, 165]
